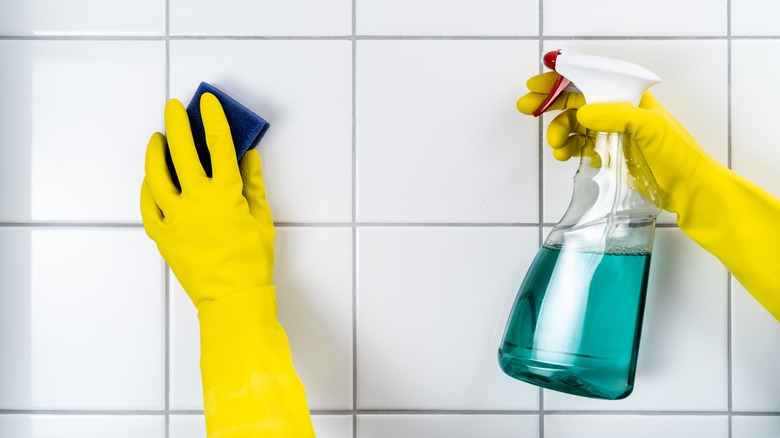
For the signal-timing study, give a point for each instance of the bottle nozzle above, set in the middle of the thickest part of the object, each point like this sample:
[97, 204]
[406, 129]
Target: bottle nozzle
[598, 79]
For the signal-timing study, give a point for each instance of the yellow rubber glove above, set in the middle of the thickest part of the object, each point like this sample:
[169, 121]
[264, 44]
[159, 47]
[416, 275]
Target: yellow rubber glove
[726, 214]
[217, 235]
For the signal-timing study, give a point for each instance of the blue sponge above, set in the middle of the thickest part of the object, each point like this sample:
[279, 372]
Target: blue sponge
[246, 127]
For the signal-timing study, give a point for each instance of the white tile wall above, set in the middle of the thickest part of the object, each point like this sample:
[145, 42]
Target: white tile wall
[754, 147]
[448, 426]
[82, 426]
[264, 17]
[83, 17]
[435, 147]
[325, 426]
[440, 17]
[754, 334]
[635, 18]
[187, 426]
[82, 317]
[651, 426]
[409, 194]
[756, 427]
[428, 301]
[74, 121]
[755, 17]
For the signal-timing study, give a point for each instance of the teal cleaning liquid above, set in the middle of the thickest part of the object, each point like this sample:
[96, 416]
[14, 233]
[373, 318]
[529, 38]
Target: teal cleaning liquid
[576, 322]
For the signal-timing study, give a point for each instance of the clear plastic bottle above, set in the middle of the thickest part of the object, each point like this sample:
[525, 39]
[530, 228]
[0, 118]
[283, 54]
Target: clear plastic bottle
[576, 322]
[577, 319]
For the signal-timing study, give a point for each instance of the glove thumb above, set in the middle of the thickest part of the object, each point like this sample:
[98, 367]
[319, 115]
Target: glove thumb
[616, 117]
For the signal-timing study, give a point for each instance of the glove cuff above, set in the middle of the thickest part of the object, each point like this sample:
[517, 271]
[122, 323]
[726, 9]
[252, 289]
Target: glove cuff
[250, 387]
[735, 220]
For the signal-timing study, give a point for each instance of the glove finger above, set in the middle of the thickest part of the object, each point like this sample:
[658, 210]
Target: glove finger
[150, 212]
[562, 126]
[589, 150]
[254, 188]
[542, 83]
[219, 140]
[568, 100]
[158, 177]
[571, 148]
[183, 152]
[540, 86]
[529, 103]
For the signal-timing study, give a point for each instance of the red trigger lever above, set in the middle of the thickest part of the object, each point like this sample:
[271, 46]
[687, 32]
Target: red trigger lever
[560, 84]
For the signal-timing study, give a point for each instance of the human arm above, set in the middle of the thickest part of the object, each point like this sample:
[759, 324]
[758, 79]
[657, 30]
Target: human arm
[217, 236]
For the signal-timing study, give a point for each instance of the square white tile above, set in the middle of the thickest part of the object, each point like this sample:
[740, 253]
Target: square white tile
[635, 18]
[696, 95]
[650, 426]
[755, 427]
[82, 17]
[263, 17]
[430, 318]
[74, 121]
[186, 391]
[313, 275]
[187, 426]
[325, 426]
[81, 320]
[755, 332]
[755, 149]
[438, 136]
[332, 426]
[447, 426]
[437, 17]
[305, 89]
[82, 426]
[755, 17]
[682, 354]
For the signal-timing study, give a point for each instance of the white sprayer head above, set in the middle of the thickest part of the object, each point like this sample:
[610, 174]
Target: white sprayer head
[598, 79]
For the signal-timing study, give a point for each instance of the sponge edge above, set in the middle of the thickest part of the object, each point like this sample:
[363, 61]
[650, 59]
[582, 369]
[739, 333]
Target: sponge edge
[246, 127]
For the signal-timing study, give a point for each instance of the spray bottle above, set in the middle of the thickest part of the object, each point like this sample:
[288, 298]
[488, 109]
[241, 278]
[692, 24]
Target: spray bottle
[576, 321]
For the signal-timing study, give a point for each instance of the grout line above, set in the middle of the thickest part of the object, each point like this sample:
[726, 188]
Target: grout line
[654, 413]
[264, 37]
[66, 225]
[83, 412]
[443, 412]
[448, 37]
[81, 38]
[542, 151]
[285, 224]
[374, 38]
[446, 412]
[167, 274]
[447, 224]
[353, 38]
[729, 379]
[71, 225]
[167, 350]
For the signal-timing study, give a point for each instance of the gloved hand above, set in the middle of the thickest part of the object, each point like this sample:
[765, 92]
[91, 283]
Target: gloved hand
[726, 214]
[217, 235]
